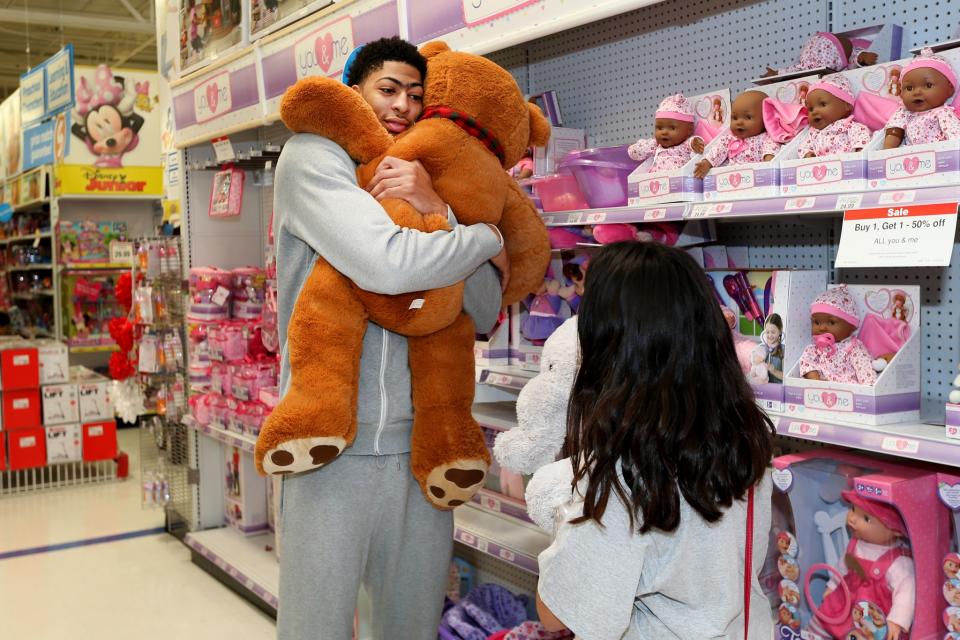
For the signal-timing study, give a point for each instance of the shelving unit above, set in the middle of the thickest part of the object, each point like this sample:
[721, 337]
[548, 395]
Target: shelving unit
[244, 562]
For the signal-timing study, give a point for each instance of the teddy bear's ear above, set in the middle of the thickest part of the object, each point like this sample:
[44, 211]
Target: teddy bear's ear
[539, 126]
[433, 48]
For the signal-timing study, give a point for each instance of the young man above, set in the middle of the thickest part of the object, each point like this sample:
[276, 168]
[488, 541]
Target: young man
[362, 520]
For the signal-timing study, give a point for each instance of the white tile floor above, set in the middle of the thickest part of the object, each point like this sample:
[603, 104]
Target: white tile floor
[144, 588]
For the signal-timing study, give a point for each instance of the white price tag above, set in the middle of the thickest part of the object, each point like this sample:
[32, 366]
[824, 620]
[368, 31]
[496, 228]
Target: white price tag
[953, 432]
[468, 538]
[547, 219]
[849, 201]
[417, 304]
[654, 214]
[796, 204]
[21, 403]
[95, 431]
[482, 545]
[804, 429]
[596, 217]
[508, 555]
[896, 444]
[898, 236]
[220, 296]
[490, 503]
[121, 252]
[224, 150]
[698, 211]
[897, 197]
[27, 442]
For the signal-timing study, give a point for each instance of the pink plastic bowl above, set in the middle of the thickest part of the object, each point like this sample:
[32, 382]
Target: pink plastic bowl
[560, 192]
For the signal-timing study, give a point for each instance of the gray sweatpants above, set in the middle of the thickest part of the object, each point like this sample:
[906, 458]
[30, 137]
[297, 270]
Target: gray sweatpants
[361, 520]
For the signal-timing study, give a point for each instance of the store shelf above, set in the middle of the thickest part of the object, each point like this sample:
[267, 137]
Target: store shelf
[911, 440]
[94, 266]
[499, 504]
[239, 440]
[34, 332]
[42, 293]
[246, 560]
[507, 539]
[27, 238]
[29, 206]
[496, 415]
[657, 213]
[508, 377]
[97, 348]
[31, 267]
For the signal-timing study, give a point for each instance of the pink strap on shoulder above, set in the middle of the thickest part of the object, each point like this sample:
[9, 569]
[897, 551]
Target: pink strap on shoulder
[748, 568]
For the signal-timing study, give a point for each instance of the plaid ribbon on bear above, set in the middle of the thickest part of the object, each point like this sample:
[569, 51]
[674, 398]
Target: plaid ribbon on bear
[469, 124]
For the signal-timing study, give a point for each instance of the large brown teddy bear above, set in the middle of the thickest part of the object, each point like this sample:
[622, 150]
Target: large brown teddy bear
[475, 125]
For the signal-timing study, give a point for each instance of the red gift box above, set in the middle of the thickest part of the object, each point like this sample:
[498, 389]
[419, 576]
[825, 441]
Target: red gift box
[21, 408]
[99, 441]
[19, 368]
[28, 448]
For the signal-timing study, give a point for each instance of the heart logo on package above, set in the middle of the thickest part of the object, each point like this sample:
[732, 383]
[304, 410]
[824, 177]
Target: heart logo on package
[782, 479]
[654, 187]
[875, 80]
[898, 196]
[950, 495]
[878, 301]
[703, 106]
[829, 399]
[801, 203]
[735, 179]
[323, 48]
[787, 93]
[873, 183]
[213, 96]
[911, 164]
[820, 172]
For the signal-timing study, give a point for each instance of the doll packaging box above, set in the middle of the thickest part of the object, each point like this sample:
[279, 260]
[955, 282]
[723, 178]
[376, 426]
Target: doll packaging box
[948, 490]
[862, 359]
[245, 492]
[927, 123]
[743, 162]
[562, 141]
[535, 319]
[668, 162]
[847, 113]
[768, 322]
[857, 548]
[208, 30]
[493, 348]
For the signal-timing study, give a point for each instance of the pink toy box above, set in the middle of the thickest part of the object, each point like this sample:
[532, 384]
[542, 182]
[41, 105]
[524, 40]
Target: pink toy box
[895, 397]
[952, 422]
[245, 493]
[535, 319]
[920, 165]
[711, 112]
[811, 542]
[562, 141]
[493, 348]
[948, 490]
[765, 309]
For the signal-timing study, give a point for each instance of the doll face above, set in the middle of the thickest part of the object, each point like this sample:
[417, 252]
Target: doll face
[785, 615]
[825, 108]
[924, 89]
[869, 528]
[826, 323]
[788, 570]
[746, 116]
[670, 132]
[951, 567]
[857, 615]
[876, 615]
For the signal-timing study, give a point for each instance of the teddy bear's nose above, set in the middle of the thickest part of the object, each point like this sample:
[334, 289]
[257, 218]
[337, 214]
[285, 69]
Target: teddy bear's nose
[111, 142]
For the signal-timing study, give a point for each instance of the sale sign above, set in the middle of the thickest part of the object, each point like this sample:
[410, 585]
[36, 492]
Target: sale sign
[911, 235]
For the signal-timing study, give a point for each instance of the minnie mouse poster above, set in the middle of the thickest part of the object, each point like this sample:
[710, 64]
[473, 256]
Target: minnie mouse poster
[105, 118]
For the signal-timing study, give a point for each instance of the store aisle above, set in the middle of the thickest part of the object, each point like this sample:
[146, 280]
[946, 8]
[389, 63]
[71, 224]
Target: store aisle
[142, 585]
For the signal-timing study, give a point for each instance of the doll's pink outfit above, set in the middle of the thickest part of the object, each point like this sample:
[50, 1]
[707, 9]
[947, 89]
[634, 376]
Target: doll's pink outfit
[843, 136]
[731, 149]
[675, 107]
[847, 361]
[825, 50]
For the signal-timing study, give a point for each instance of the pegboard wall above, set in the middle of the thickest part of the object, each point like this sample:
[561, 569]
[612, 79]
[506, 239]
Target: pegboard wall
[610, 75]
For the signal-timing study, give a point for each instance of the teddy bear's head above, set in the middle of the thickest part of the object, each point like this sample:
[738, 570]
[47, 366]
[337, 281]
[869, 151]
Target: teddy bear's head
[482, 89]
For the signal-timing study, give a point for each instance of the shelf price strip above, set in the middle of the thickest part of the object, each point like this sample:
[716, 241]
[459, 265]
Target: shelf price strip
[898, 236]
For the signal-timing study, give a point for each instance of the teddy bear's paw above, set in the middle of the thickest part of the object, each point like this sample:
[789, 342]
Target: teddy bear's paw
[304, 454]
[452, 484]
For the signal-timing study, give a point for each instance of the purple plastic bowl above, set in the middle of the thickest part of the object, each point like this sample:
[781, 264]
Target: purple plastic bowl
[603, 184]
[603, 154]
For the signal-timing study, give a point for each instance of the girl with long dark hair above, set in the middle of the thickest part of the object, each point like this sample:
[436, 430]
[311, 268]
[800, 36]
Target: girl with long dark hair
[666, 443]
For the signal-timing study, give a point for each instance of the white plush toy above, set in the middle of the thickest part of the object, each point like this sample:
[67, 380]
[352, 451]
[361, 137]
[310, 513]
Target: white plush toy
[532, 447]
[759, 374]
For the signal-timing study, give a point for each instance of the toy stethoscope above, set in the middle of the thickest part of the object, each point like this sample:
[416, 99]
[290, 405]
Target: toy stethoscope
[847, 597]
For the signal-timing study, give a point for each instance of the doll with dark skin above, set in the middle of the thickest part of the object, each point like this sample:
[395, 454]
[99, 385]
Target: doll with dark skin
[746, 124]
[830, 107]
[673, 143]
[836, 355]
[821, 323]
[927, 84]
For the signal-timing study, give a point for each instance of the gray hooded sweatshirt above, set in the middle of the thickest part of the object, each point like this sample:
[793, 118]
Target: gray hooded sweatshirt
[320, 210]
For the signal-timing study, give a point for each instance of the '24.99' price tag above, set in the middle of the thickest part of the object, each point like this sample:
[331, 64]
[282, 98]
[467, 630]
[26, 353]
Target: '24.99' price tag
[898, 236]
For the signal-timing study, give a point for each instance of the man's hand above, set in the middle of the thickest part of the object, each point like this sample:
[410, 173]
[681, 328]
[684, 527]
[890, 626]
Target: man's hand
[406, 180]
[502, 262]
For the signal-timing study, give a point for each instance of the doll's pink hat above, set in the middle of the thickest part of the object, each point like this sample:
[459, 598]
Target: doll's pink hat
[676, 107]
[837, 302]
[929, 60]
[837, 86]
[883, 512]
[840, 60]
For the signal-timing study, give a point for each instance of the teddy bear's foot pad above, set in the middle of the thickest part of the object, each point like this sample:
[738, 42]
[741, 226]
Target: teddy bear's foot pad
[452, 484]
[295, 456]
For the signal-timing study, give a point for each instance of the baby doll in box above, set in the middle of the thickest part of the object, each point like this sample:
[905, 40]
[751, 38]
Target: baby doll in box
[830, 51]
[926, 84]
[833, 127]
[674, 142]
[759, 126]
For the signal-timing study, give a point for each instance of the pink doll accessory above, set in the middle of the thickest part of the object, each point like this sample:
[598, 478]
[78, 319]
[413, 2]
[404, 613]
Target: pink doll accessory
[783, 120]
[837, 302]
[824, 49]
[676, 107]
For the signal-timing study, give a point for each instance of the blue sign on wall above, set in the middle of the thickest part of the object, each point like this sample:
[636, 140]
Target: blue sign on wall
[47, 89]
[38, 144]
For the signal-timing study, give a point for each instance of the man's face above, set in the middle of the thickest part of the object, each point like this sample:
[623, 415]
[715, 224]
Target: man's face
[395, 91]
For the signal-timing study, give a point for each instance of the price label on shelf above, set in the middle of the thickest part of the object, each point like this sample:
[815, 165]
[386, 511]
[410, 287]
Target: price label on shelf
[798, 204]
[896, 444]
[898, 236]
[654, 214]
[547, 219]
[508, 555]
[897, 197]
[468, 538]
[224, 149]
[482, 545]
[849, 201]
[121, 252]
[490, 503]
[699, 211]
[803, 429]
[596, 217]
